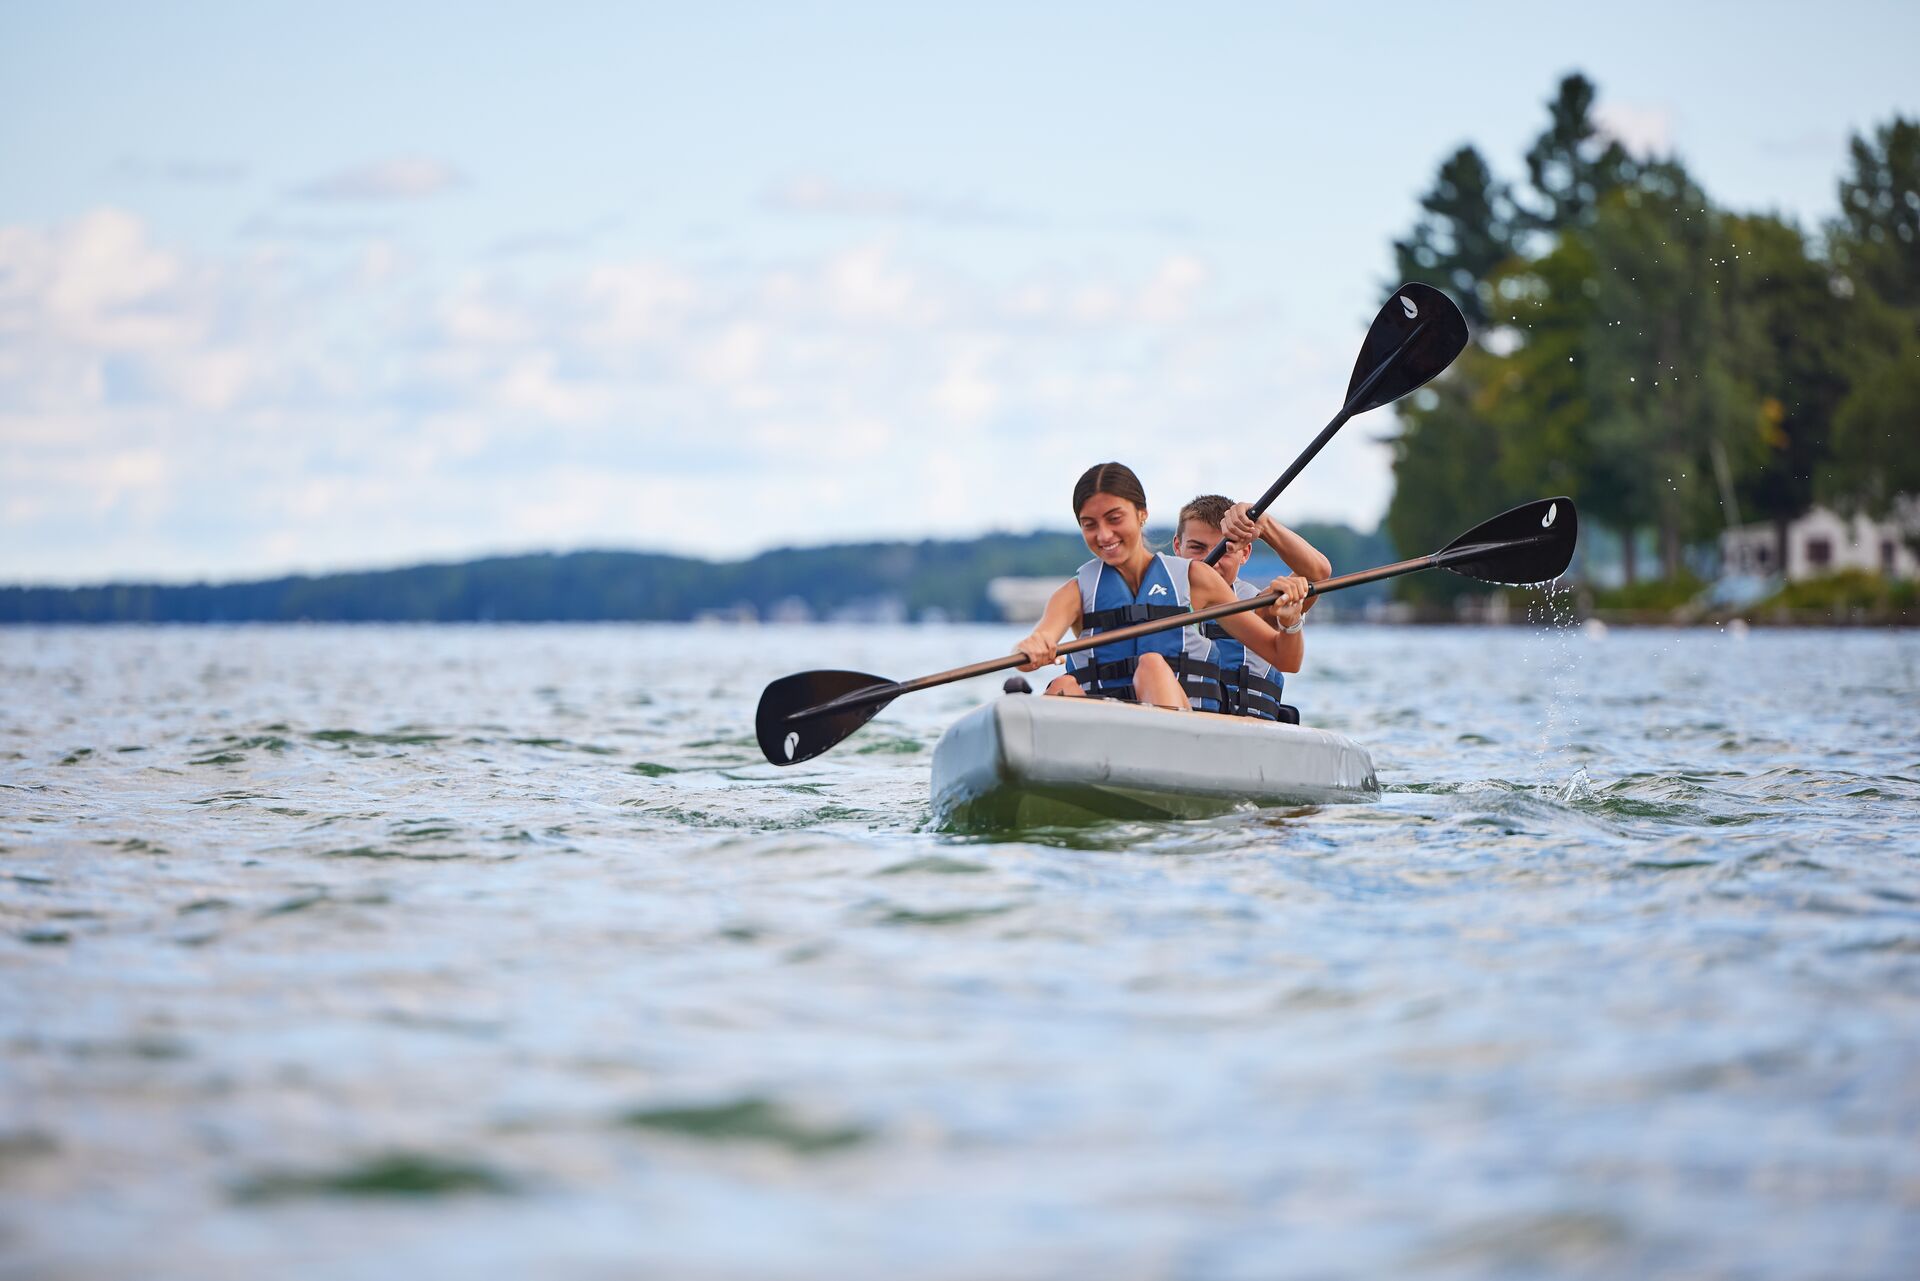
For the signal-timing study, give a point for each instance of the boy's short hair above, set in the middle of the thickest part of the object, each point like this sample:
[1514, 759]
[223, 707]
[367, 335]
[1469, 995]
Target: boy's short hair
[1210, 508]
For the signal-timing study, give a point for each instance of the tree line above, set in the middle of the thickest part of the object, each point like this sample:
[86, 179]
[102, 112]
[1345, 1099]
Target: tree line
[1672, 365]
[949, 577]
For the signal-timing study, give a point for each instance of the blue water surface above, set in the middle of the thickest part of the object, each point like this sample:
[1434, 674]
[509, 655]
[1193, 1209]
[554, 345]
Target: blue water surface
[499, 952]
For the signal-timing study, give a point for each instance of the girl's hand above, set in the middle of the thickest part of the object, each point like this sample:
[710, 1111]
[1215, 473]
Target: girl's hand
[1240, 530]
[1038, 651]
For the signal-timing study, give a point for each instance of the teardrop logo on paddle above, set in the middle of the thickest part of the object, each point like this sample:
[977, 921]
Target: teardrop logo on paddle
[1406, 305]
[1546, 521]
[793, 742]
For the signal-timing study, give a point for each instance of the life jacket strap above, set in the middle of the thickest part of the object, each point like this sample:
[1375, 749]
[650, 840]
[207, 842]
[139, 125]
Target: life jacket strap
[1198, 678]
[1251, 695]
[1201, 680]
[1102, 620]
[1119, 671]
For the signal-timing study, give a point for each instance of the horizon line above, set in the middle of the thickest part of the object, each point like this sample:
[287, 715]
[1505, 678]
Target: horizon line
[431, 561]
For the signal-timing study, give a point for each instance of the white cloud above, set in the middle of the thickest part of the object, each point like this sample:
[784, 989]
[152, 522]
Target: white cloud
[182, 171]
[395, 178]
[532, 386]
[867, 284]
[165, 413]
[967, 394]
[812, 194]
[1173, 289]
[1644, 129]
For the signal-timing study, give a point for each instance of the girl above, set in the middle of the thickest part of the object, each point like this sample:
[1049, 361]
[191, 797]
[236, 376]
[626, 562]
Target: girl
[1127, 582]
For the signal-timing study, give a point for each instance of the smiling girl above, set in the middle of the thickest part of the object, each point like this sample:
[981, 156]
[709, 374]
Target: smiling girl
[1128, 582]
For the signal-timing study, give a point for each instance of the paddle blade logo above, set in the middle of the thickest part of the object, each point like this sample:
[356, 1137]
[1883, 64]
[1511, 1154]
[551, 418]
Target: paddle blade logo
[1546, 521]
[1406, 305]
[793, 741]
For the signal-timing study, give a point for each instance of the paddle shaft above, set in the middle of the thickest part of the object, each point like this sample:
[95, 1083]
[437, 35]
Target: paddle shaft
[1360, 394]
[887, 693]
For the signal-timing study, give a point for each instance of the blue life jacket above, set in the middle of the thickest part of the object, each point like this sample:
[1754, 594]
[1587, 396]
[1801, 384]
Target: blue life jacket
[1250, 686]
[1106, 671]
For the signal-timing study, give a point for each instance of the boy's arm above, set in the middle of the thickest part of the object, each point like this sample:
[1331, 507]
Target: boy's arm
[1302, 557]
[1256, 629]
[1290, 649]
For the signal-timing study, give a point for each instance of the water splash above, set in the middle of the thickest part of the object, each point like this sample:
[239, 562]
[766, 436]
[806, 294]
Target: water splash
[1550, 611]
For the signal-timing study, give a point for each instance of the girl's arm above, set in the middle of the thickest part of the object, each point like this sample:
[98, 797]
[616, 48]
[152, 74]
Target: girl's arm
[1251, 628]
[1062, 612]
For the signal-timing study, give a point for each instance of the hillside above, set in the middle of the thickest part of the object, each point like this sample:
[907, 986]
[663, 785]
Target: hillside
[871, 580]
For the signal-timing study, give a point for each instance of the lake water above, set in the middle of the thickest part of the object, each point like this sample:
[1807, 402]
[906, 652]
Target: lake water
[499, 952]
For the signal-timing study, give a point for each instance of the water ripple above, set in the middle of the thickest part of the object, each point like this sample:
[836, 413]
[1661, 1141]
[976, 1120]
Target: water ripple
[512, 927]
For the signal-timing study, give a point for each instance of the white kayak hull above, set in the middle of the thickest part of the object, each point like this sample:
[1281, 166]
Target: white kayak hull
[1032, 761]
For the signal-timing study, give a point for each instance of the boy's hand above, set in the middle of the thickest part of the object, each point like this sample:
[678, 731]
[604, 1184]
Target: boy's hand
[1239, 529]
[1038, 651]
[1293, 593]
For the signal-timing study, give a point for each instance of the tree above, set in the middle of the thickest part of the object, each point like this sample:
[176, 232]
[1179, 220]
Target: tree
[1877, 238]
[1465, 234]
[1570, 166]
[1816, 337]
[1876, 433]
[1539, 395]
[1672, 358]
[1446, 471]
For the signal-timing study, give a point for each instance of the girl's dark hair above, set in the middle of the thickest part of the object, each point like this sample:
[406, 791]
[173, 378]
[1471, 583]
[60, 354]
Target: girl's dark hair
[1108, 478]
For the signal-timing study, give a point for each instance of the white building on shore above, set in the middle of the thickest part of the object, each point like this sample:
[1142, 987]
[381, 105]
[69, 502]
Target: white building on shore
[1825, 542]
[1021, 600]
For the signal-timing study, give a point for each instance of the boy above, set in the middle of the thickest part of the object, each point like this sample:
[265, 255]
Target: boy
[1250, 685]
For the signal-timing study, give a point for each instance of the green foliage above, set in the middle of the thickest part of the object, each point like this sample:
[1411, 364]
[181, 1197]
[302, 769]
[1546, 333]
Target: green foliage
[1662, 361]
[1877, 238]
[1652, 594]
[1877, 433]
[1465, 234]
[632, 586]
[1847, 592]
[1814, 335]
[1450, 443]
[1570, 166]
[1670, 366]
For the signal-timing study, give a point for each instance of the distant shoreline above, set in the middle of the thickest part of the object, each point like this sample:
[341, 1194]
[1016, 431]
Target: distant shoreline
[1608, 620]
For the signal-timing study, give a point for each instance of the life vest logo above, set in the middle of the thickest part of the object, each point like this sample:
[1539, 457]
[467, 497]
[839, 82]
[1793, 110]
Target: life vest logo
[792, 743]
[1158, 589]
[1406, 305]
[1546, 521]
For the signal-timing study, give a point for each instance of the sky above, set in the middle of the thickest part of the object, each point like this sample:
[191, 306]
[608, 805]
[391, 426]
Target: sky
[299, 288]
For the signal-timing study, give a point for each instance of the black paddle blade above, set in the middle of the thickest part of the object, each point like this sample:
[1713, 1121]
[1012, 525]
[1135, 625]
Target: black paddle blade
[788, 742]
[1533, 543]
[1443, 338]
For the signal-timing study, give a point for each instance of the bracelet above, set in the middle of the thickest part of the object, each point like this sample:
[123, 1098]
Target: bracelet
[1295, 629]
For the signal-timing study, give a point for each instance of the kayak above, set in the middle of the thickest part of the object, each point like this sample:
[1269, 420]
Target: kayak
[1033, 761]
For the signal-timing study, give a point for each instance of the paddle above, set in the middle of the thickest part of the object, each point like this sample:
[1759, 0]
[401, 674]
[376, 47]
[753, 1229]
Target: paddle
[1416, 335]
[803, 715]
